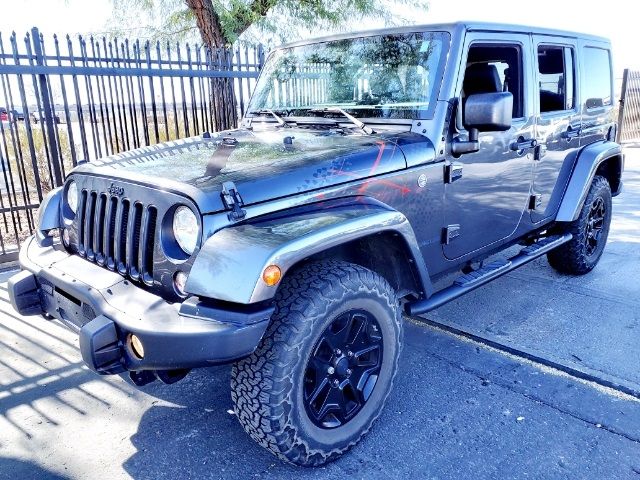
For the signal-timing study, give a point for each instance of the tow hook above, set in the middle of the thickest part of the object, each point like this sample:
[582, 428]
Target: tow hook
[145, 377]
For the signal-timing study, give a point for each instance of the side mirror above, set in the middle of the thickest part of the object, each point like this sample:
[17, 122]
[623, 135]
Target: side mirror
[484, 112]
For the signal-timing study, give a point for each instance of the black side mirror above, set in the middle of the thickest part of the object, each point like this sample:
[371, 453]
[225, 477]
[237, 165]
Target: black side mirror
[484, 112]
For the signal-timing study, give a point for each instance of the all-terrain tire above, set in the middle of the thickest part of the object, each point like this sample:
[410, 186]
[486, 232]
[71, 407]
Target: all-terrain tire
[578, 256]
[267, 387]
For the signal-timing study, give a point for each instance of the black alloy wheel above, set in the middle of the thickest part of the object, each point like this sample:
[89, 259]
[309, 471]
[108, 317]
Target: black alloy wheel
[595, 224]
[343, 369]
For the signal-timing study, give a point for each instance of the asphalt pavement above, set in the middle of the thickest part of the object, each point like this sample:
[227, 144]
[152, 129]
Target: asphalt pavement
[459, 409]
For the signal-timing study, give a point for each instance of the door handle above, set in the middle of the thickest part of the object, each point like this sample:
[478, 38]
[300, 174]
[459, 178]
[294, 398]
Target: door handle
[572, 132]
[520, 145]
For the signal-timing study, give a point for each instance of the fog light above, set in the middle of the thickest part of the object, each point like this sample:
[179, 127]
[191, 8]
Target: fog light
[65, 237]
[136, 346]
[272, 275]
[180, 282]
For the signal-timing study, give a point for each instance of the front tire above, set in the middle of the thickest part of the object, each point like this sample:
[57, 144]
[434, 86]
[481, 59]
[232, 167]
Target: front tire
[324, 368]
[590, 232]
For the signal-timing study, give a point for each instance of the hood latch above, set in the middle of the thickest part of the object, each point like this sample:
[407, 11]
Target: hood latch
[232, 201]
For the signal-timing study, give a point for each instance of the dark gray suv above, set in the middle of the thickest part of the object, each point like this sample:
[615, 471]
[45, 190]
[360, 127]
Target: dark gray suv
[366, 167]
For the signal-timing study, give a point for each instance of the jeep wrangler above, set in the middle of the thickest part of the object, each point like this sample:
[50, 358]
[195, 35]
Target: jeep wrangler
[367, 167]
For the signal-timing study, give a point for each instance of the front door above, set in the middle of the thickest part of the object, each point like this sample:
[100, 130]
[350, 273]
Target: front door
[559, 122]
[487, 201]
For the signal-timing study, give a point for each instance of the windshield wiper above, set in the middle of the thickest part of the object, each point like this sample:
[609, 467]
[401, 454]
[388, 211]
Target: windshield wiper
[281, 121]
[348, 116]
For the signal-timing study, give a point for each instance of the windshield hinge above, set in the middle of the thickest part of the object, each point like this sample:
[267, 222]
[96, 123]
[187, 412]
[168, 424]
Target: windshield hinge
[452, 172]
[232, 201]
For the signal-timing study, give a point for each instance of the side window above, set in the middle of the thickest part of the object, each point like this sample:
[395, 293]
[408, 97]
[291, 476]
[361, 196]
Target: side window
[597, 68]
[495, 68]
[556, 73]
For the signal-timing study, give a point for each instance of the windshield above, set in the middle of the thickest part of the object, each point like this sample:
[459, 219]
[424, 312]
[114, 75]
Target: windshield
[385, 76]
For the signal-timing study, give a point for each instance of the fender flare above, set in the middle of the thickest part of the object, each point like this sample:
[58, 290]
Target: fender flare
[48, 217]
[230, 264]
[587, 163]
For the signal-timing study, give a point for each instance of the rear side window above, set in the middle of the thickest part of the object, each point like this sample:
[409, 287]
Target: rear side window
[556, 76]
[597, 84]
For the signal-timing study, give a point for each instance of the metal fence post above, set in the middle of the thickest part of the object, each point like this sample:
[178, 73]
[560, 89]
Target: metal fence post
[47, 107]
[623, 95]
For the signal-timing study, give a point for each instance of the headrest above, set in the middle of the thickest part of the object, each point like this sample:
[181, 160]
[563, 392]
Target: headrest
[481, 78]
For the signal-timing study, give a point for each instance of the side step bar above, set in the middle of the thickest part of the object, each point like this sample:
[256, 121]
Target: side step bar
[473, 280]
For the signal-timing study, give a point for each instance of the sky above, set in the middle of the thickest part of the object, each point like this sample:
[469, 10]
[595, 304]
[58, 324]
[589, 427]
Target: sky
[613, 19]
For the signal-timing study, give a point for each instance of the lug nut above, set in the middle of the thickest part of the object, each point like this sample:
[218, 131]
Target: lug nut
[349, 353]
[331, 370]
[335, 382]
[348, 372]
[338, 351]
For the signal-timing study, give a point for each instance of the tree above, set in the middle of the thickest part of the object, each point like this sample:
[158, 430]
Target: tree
[220, 23]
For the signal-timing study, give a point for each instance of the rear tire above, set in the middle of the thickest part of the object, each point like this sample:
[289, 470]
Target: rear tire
[324, 368]
[590, 232]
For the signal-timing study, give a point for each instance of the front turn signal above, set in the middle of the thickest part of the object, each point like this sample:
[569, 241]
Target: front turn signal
[272, 275]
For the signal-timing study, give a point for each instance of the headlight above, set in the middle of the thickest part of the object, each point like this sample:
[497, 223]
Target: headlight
[185, 229]
[72, 196]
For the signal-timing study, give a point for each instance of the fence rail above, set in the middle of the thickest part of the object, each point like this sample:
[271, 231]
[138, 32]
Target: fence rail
[64, 99]
[629, 115]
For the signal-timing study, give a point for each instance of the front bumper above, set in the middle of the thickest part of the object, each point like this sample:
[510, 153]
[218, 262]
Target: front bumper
[107, 309]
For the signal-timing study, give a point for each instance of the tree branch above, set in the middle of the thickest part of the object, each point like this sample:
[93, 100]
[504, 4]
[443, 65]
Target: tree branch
[247, 15]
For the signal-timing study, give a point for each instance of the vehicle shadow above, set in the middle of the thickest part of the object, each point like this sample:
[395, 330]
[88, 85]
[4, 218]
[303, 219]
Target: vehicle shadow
[19, 469]
[193, 432]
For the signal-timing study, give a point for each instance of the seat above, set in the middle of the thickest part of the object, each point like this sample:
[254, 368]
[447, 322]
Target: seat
[481, 78]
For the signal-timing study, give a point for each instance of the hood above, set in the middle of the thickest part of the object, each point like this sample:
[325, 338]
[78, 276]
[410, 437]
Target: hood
[263, 165]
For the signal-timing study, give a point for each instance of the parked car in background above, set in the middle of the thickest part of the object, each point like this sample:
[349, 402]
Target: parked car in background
[17, 115]
[4, 117]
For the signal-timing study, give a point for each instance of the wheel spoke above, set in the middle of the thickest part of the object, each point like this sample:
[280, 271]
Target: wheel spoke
[332, 404]
[364, 351]
[596, 234]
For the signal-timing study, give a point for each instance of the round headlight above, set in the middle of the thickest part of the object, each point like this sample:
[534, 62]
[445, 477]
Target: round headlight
[185, 229]
[72, 196]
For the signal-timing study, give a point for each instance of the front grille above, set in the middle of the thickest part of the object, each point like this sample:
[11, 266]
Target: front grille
[117, 233]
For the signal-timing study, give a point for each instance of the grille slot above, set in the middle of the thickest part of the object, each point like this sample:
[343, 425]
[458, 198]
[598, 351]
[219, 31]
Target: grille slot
[117, 233]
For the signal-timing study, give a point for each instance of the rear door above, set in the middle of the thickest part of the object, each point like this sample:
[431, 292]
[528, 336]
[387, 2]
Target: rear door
[559, 124]
[490, 191]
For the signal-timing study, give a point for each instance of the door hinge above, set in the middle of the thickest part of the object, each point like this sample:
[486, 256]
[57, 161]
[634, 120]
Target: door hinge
[452, 172]
[232, 201]
[535, 201]
[450, 233]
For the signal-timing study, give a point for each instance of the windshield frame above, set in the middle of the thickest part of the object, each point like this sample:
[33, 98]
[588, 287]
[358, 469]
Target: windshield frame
[419, 113]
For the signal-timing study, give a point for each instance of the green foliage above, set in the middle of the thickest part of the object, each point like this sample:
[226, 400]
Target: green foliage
[286, 20]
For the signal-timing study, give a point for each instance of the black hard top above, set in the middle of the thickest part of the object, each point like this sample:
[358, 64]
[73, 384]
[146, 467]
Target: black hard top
[456, 27]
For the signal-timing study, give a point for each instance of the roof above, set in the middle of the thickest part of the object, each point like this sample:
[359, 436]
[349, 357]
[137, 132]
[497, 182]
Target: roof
[452, 27]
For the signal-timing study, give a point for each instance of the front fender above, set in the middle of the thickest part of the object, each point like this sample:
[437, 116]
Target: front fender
[590, 158]
[230, 264]
[48, 217]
